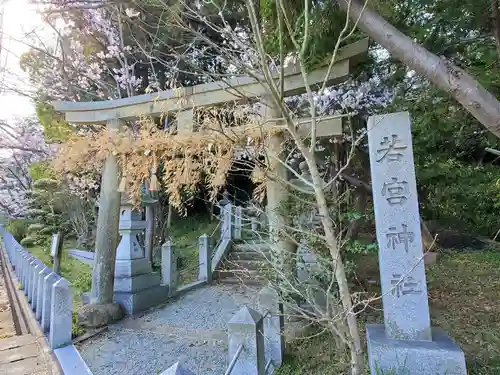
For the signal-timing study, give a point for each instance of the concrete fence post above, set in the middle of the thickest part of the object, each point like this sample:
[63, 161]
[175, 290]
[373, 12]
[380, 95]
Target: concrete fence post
[15, 257]
[246, 328]
[271, 308]
[169, 267]
[39, 299]
[61, 319]
[48, 281]
[26, 275]
[177, 369]
[237, 222]
[34, 284]
[25, 258]
[205, 260]
[31, 272]
[20, 266]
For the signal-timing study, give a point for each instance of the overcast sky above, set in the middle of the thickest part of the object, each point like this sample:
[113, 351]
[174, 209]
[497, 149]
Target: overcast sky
[19, 18]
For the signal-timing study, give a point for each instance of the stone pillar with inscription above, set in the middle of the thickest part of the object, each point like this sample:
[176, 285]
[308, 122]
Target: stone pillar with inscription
[405, 343]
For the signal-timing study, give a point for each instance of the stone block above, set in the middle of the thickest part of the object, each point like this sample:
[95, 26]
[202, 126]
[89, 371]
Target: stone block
[440, 356]
[137, 283]
[271, 308]
[177, 369]
[142, 300]
[61, 319]
[246, 329]
[48, 282]
[132, 267]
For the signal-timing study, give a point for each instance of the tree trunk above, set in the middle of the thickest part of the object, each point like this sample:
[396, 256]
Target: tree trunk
[283, 250]
[103, 273]
[495, 18]
[360, 198]
[463, 87]
[169, 221]
[357, 359]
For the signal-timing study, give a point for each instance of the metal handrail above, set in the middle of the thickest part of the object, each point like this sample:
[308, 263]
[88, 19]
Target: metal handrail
[268, 364]
[234, 360]
[217, 227]
[184, 270]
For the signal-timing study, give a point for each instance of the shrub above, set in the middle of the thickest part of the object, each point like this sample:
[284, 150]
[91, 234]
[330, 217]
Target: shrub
[461, 195]
[18, 228]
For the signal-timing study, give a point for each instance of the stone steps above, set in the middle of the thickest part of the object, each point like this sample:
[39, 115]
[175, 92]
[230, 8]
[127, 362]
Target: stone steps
[245, 264]
[238, 281]
[251, 264]
[248, 255]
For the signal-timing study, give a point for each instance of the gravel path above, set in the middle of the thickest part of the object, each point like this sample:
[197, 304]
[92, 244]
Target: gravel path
[190, 329]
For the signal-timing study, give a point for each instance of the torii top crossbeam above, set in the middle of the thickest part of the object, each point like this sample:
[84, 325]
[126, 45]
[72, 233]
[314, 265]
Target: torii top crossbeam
[183, 100]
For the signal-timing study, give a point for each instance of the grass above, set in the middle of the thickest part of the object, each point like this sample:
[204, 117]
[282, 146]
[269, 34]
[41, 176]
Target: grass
[464, 295]
[185, 233]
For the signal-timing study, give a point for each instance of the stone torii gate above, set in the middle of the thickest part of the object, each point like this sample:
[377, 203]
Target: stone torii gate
[182, 101]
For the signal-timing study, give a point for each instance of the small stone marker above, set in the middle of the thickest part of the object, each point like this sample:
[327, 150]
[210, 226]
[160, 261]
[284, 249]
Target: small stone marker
[177, 369]
[405, 343]
[54, 244]
[60, 315]
[55, 251]
[205, 261]
[246, 328]
[274, 325]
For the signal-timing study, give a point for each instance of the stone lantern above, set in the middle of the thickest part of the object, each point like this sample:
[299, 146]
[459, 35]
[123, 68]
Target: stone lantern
[136, 286]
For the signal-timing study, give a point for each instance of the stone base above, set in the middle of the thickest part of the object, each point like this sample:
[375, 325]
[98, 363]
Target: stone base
[136, 283]
[142, 300]
[441, 356]
[132, 267]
